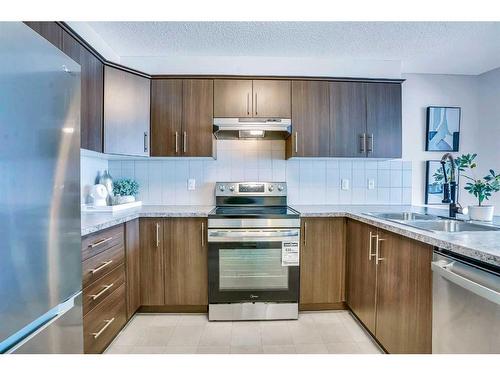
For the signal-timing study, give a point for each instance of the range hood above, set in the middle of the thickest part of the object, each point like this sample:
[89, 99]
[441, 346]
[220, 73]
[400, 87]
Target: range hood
[252, 128]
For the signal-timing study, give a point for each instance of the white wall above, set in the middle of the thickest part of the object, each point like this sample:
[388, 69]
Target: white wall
[423, 90]
[310, 181]
[488, 126]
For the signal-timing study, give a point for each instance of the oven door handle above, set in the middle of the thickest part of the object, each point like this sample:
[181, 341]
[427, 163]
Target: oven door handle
[254, 236]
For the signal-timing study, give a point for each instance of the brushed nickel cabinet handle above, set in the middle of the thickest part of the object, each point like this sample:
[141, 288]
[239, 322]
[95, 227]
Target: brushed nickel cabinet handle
[377, 250]
[370, 247]
[256, 104]
[100, 242]
[106, 288]
[370, 147]
[157, 234]
[176, 142]
[296, 142]
[108, 323]
[202, 234]
[362, 143]
[102, 266]
[185, 142]
[305, 233]
[145, 142]
[248, 103]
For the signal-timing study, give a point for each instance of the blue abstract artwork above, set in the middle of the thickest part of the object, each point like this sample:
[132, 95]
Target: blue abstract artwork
[443, 128]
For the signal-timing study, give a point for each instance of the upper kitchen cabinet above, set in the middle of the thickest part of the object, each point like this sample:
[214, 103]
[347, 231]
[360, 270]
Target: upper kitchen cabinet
[232, 98]
[383, 120]
[272, 98]
[182, 117]
[310, 120]
[166, 117]
[126, 113]
[246, 98]
[197, 117]
[365, 119]
[347, 119]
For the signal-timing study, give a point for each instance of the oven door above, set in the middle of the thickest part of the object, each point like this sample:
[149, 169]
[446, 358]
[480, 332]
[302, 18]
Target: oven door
[245, 266]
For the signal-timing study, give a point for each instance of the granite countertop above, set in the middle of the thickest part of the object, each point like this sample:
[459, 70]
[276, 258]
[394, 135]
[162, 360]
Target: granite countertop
[96, 221]
[483, 246]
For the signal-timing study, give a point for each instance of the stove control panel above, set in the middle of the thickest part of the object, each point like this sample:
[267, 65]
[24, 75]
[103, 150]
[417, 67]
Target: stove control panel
[250, 188]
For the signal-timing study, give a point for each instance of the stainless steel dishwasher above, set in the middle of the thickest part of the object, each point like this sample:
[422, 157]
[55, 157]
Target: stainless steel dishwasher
[466, 305]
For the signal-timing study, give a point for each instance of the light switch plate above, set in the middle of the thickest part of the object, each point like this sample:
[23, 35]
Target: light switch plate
[191, 184]
[371, 183]
[344, 184]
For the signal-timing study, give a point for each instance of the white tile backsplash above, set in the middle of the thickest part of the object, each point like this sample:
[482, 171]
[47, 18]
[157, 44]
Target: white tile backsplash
[310, 180]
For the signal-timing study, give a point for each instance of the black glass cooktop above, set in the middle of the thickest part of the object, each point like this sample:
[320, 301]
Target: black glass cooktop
[254, 212]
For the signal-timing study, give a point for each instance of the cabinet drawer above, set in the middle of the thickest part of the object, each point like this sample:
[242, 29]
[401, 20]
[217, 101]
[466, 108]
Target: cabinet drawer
[97, 292]
[96, 243]
[102, 324]
[97, 266]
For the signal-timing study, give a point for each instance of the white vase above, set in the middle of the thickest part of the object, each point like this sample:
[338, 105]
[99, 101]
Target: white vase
[481, 213]
[124, 199]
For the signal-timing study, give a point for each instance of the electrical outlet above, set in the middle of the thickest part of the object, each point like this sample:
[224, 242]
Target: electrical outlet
[191, 184]
[371, 183]
[344, 184]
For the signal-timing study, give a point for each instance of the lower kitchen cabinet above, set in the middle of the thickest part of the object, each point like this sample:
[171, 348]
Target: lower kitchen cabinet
[186, 262]
[174, 264]
[404, 294]
[322, 264]
[152, 262]
[389, 287]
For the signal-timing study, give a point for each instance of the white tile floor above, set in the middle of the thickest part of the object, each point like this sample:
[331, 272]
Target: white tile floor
[313, 333]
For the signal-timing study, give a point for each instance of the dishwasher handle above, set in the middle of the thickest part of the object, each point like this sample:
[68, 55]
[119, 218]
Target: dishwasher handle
[445, 269]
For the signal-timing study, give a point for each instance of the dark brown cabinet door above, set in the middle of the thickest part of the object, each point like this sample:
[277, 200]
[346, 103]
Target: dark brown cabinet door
[166, 117]
[383, 120]
[322, 263]
[197, 117]
[49, 30]
[132, 264]
[361, 272]
[272, 98]
[232, 98]
[310, 119]
[404, 295]
[347, 119]
[186, 262]
[152, 262]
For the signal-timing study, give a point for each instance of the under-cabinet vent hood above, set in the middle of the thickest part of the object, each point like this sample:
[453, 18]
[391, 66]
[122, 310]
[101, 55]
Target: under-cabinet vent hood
[248, 128]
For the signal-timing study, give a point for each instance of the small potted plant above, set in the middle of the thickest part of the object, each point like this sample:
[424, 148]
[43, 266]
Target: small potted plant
[125, 190]
[481, 188]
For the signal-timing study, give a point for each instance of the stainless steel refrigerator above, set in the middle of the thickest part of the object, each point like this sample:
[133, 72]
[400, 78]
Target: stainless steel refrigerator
[40, 261]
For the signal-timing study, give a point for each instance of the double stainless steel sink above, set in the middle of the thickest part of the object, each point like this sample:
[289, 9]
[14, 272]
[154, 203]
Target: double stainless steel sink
[433, 223]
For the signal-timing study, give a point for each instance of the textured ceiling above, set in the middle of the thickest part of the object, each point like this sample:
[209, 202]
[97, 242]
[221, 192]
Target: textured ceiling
[422, 47]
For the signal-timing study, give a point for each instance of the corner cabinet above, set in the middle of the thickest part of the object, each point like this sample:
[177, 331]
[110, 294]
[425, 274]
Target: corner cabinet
[389, 287]
[182, 117]
[126, 113]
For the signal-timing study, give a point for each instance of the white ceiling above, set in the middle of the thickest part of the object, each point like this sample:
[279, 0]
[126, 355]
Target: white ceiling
[419, 47]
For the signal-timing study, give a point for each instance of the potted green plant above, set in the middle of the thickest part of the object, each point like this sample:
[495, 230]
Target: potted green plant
[125, 190]
[481, 188]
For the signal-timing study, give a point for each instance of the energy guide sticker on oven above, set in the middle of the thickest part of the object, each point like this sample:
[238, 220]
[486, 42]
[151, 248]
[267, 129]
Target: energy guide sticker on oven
[289, 253]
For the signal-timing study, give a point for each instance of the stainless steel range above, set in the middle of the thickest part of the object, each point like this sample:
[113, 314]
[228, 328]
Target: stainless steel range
[253, 256]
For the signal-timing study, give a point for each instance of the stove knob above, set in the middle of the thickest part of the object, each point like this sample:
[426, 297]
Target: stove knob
[280, 187]
[270, 188]
[231, 188]
[222, 187]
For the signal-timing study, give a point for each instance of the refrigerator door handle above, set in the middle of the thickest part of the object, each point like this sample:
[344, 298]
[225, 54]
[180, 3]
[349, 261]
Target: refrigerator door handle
[31, 330]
